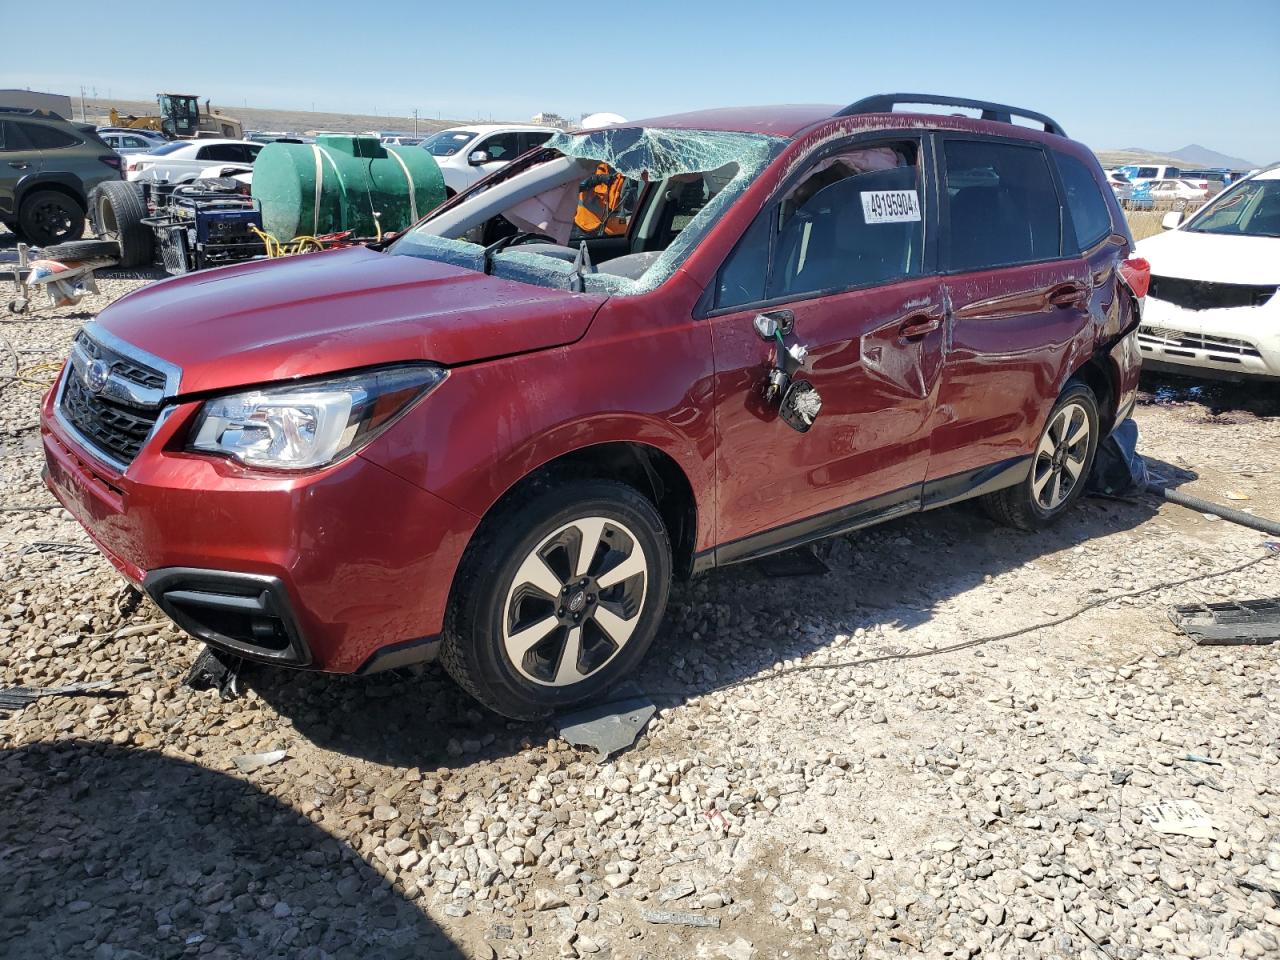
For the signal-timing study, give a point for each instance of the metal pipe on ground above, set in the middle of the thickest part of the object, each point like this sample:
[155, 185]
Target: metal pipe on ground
[1249, 520]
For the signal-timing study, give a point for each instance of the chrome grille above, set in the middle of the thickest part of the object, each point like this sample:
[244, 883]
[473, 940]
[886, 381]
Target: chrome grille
[113, 394]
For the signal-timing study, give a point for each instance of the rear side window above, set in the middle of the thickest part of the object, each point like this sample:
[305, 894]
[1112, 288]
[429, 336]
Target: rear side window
[222, 152]
[1002, 205]
[48, 138]
[1089, 212]
[855, 219]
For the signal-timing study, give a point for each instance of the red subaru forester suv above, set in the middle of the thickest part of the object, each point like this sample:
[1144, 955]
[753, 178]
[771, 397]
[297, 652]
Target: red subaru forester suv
[634, 354]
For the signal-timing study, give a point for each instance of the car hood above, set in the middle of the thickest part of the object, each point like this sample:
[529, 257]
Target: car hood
[340, 310]
[1210, 256]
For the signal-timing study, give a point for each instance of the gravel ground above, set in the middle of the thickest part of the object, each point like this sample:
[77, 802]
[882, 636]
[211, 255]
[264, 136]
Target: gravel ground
[842, 765]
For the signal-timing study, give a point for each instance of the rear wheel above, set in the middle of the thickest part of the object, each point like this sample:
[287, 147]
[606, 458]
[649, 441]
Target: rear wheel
[117, 209]
[47, 216]
[558, 598]
[1059, 467]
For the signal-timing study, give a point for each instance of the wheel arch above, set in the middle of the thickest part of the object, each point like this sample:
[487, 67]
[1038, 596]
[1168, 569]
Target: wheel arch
[1098, 374]
[654, 472]
[65, 184]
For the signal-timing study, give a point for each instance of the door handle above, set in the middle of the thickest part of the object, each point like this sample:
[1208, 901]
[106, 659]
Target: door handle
[1067, 295]
[918, 325]
[18, 164]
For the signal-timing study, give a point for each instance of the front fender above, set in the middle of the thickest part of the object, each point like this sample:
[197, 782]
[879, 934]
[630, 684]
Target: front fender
[490, 425]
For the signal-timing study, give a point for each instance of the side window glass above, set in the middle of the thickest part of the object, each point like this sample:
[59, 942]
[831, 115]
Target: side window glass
[742, 278]
[854, 220]
[48, 138]
[1089, 212]
[222, 153]
[533, 139]
[503, 147]
[4, 136]
[606, 203]
[1002, 204]
[252, 150]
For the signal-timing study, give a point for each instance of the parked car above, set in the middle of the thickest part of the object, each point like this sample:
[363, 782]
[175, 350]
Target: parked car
[641, 354]
[1177, 194]
[129, 143]
[48, 167]
[1120, 186]
[183, 160]
[1213, 309]
[401, 141]
[1138, 173]
[468, 154]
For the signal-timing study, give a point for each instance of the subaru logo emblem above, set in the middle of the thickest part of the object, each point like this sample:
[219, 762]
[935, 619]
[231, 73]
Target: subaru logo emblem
[95, 378]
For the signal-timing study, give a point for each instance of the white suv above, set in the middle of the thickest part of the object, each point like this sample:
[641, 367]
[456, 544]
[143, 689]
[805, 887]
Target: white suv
[1213, 308]
[470, 153]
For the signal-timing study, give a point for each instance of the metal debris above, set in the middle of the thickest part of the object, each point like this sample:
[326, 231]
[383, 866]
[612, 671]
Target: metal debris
[607, 727]
[680, 918]
[256, 761]
[1233, 622]
[215, 670]
[15, 698]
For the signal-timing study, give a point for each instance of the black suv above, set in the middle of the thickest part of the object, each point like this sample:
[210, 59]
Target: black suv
[48, 168]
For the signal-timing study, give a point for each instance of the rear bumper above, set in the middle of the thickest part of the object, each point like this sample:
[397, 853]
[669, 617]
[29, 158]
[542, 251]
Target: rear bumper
[329, 568]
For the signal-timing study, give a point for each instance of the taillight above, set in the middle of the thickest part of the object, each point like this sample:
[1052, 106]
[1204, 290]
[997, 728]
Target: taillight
[1136, 273]
[111, 160]
[131, 165]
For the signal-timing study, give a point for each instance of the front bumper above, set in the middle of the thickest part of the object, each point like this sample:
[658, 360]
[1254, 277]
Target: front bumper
[352, 564]
[1236, 343]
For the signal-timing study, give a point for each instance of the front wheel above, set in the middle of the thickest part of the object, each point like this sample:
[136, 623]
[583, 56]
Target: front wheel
[559, 596]
[1059, 467]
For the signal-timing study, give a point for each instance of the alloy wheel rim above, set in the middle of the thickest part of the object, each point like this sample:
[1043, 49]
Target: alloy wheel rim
[575, 601]
[1060, 457]
[53, 219]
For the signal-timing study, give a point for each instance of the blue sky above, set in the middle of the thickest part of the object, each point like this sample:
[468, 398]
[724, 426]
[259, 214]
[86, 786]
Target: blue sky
[1114, 77]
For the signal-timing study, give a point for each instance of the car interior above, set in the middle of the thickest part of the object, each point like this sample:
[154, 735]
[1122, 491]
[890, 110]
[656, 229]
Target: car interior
[555, 208]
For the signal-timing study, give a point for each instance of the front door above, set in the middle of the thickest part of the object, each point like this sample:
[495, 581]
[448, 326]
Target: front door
[840, 258]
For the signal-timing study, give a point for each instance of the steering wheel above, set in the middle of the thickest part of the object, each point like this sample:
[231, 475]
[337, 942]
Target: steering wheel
[521, 238]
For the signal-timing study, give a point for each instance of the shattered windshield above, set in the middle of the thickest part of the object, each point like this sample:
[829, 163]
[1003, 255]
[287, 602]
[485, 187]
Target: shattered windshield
[613, 211]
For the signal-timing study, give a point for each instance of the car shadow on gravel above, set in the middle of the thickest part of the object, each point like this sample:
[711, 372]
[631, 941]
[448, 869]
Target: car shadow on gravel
[123, 854]
[720, 630]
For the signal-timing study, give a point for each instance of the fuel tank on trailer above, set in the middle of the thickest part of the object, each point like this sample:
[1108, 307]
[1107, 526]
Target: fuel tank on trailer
[339, 182]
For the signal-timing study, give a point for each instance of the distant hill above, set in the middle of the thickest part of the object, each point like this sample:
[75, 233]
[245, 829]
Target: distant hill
[1192, 155]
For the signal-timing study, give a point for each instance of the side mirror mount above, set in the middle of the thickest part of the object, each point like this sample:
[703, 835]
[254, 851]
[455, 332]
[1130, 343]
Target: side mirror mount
[800, 406]
[769, 325]
[1171, 220]
[478, 157]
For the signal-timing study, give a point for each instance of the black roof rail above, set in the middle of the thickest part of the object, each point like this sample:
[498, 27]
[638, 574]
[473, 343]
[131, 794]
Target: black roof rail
[999, 112]
[33, 112]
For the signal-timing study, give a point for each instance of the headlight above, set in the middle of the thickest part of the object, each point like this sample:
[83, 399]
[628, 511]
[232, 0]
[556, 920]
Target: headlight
[312, 424]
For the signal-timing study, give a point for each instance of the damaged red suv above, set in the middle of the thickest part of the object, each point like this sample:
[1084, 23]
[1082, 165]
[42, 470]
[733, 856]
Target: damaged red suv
[634, 354]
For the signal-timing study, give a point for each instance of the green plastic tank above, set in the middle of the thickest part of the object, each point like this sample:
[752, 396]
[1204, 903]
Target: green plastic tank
[339, 182]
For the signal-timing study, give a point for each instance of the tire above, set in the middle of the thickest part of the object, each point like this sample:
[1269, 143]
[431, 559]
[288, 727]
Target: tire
[511, 616]
[1041, 500]
[47, 217]
[84, 250]
[118, 209]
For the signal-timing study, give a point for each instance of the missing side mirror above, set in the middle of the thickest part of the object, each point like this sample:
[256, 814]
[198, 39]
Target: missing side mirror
[800, 406]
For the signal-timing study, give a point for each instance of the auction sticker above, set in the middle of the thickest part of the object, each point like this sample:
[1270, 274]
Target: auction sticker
[890, 206]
